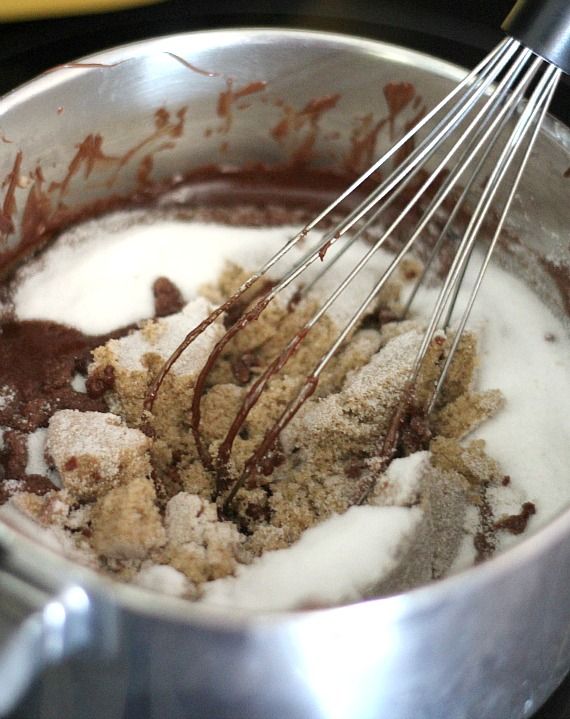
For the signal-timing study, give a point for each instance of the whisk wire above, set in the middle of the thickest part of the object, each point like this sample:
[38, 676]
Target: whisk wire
[451, 277]
[480, 132]
[424, 151]
[500, 55]
[444, 190]
[534, 112]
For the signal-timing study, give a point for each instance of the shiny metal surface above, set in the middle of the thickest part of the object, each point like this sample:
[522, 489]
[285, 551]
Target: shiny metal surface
[490, 643]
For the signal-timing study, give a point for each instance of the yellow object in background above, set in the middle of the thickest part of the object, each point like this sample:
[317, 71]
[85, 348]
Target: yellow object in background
[35, 9]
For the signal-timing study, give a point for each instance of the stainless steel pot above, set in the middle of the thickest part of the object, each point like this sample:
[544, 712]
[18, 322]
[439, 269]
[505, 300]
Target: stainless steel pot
[492, 642]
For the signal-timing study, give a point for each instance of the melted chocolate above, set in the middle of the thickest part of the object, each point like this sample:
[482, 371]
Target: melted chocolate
[517, 523]
[230, 95]
[561, 276]
[38, 360]
[9, 204]
[167, 297]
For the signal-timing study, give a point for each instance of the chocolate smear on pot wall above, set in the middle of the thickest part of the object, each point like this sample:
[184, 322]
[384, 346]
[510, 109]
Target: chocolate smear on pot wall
[228, 97]
[398, 96]
[45, 210]
[561, 275]
[82, 66]
[302, 126]
[363, 139]
[9, 204]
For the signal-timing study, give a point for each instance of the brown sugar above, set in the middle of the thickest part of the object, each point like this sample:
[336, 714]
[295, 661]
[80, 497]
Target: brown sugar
[95, 451]
[125, 523]
[199, 545]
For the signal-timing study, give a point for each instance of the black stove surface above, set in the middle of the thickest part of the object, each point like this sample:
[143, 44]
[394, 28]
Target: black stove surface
[469, 30]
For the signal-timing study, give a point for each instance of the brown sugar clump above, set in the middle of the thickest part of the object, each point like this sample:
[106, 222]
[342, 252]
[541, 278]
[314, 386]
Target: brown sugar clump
[136, 360]
[126, 523]
[353, 421]
[49, 509]
[471, 461]
[95, 451]
[467, 412]
[199, 545]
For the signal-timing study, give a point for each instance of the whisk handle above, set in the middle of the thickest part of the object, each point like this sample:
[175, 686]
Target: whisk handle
[544, 27]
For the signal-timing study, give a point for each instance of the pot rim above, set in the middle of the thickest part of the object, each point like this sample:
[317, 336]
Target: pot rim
[46, 566]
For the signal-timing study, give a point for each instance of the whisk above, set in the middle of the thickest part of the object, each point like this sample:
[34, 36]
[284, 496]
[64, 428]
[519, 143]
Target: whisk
[476, 141]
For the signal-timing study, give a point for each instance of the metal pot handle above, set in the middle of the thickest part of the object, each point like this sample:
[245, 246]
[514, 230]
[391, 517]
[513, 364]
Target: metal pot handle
[37, 629]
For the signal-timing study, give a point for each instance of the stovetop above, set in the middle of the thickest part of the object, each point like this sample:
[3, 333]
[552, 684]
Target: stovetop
[459, 32]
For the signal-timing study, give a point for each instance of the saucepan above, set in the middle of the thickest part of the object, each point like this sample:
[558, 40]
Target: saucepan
[492, 641]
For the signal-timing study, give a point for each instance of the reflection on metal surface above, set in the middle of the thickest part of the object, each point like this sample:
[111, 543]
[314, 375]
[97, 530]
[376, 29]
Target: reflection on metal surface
[367, 639]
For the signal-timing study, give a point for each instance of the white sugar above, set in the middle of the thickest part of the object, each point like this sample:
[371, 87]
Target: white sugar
[36, 456]
[163, 578]
[7, 396]
[339, 560]
[165, 336]
[530, 436]
[109, 274]
[36, 448]
[78, 383]
[400, 484]
[109, 266]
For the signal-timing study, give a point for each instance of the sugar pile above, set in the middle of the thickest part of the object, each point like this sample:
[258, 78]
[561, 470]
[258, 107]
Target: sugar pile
[109, 266]
[529, 437]
[336, 560]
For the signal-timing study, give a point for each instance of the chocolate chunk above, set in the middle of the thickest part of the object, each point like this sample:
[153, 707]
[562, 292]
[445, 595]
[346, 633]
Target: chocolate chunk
[258, 512]
[416, 433]
[241, 367]
[295, 299]
[100, 382]
[14, 455]
[71, 464]
[37, 484]
[517, 523]
[353, 470]
[167, 297]
[240, 370]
